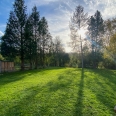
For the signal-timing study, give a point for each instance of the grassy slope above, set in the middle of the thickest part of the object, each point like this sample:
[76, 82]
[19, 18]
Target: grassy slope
[58, 92]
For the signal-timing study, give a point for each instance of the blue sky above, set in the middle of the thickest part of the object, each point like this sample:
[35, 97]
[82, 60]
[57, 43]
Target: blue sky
[58, 13]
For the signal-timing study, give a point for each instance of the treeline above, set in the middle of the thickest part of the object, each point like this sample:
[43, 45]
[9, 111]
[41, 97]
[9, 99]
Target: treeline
[98, 48]
[27, 40]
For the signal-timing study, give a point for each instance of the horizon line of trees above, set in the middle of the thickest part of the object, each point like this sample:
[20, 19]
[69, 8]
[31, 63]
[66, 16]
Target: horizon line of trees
[27, 40]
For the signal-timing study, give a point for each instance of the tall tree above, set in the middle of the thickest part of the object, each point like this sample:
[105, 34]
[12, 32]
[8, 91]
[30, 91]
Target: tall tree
[96, 30]
[21, 17]
[30, 44]
[99, 29]
[91, 29]
[10, 43]
[35, 18]
[78, 22]
[13, 41]
[45, 38]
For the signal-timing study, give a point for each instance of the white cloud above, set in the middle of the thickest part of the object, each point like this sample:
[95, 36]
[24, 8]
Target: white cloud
[59, 26]
[61, 29]
[110, 10]
[107, 7]
[31, 3]
[1, 33]
[59, 22]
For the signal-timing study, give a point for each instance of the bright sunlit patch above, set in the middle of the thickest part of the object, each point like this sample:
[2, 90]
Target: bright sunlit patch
[82, 33]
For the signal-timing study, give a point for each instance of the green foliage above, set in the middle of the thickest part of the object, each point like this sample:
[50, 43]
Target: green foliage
[99, 26]
[45, 39]
[110, 53]
[1, 57]
[20, 19]
[30, 45]
[112, 45]
[34, 20]
[59, 54]
[13, 42]
[58, 91]
[96, 30]
[74, 59]
[25, 36]
[9, 40]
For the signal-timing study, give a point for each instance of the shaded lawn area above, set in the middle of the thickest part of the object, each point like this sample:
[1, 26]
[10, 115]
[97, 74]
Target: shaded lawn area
[58, 92]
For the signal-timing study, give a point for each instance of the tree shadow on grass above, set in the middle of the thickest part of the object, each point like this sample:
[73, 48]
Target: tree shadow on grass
[49, 99]
[38, 100]
[79, 104]
[22, 106]
[64, 81]
[11, 77]
[105, 84]
[61, 84]
[107, 74]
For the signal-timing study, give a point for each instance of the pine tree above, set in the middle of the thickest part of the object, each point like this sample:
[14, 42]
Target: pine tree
[21, 17]
[91, 31]
[44, 38]
[9, 46]
[30, 44]
[96, 30]
[35, 18]
[14, 39]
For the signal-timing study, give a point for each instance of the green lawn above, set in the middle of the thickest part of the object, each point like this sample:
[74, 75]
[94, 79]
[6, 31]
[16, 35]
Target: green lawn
[58, 92]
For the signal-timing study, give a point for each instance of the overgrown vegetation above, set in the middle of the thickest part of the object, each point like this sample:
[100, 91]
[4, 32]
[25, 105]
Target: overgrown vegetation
[58, 92]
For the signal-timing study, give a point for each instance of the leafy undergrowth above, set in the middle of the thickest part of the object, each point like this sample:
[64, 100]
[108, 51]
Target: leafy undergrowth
[58, 92]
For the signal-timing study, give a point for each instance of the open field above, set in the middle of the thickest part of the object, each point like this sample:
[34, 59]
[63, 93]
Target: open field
[58, 92]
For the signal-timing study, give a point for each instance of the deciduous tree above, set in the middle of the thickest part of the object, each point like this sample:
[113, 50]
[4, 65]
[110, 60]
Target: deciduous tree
[78, 22]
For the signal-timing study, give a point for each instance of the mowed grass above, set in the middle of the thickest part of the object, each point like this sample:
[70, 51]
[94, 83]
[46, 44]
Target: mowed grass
[58, 92]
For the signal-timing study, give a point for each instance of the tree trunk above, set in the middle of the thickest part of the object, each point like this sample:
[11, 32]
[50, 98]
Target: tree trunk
[22, 62]
[22, 52]
[36, 62]
[30, 63]
[81, 53]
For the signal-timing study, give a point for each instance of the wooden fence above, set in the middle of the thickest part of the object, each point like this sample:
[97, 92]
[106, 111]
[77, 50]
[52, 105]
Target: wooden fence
[6, 66]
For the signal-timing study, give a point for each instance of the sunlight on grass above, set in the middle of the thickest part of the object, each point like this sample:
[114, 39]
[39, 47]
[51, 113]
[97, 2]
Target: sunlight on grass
[58, 92]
